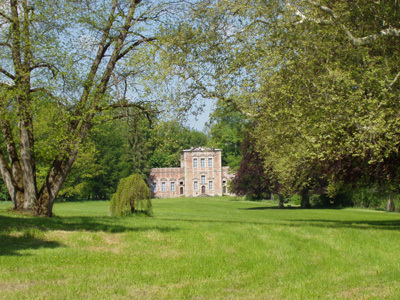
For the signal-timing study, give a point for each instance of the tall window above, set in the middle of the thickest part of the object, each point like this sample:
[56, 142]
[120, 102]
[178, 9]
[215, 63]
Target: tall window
[196, 186]
[194, 162]
[173, 186]
[154, 187]
[202, 162]
[210, 185]
[163, 187]
[203, 178]
[210, 162]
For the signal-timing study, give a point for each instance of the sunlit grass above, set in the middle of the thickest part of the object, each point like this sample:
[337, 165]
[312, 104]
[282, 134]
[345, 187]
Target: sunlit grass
[200, 248]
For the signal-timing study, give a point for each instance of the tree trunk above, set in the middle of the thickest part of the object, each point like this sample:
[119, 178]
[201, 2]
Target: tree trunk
[390, 204]
[12, 175]
[28, 168]
[281, 202]
[305, 198]
[26, 143]
[53, 183]
[14, 187]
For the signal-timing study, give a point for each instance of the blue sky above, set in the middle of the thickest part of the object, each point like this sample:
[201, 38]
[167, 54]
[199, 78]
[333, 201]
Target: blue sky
[198, 122]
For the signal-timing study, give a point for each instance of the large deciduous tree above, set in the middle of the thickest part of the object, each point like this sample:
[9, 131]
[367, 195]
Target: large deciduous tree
[333, 100]
[72, 55]
[321, 78]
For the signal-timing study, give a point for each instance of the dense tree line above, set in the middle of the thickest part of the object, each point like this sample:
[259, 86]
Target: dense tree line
[119, 153]
[313, 84]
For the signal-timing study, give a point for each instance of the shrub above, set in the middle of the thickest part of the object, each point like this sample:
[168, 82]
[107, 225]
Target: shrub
[341, 199]
[132, 196]
[295, 199]
[318, 200]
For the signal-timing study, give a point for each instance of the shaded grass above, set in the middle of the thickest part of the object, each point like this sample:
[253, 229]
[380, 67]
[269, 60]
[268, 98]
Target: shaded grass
[200, 248]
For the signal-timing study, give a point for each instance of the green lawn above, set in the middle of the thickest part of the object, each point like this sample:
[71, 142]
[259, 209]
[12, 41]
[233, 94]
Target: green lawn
[200, 248]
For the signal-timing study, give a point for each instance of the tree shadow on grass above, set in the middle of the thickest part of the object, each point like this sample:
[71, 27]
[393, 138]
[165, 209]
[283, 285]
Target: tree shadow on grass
[91, 224]
[214, 221]
[272, 208]
[19, 232]
[11, 245]
[357, 224]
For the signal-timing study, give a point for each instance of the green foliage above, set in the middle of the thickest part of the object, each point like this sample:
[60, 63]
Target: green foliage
[251, 178]
[295, 199]
[3, 191]
[343, 198]
[227, 130]
[168, 139]
[374, 197]
[113, 155]
[132, 196]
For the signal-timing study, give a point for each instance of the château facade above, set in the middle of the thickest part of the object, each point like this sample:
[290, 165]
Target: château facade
[200, 174]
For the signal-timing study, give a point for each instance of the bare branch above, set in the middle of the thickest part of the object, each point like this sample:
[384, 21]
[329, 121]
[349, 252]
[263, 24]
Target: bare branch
[48, 93]
[134, 45]
[391, 31]
[126, 115]
[116, 85]
[125, 104]
[6, 45]
[52, 68]
[2, 14]
[140, 107]
[9, 75]
[324, 8]
[317, 21]
[207, 94]
[394, 80]
[370, 38]
[102, 48]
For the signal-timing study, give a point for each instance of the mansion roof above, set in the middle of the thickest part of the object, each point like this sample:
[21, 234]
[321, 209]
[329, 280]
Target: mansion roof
[201, 149]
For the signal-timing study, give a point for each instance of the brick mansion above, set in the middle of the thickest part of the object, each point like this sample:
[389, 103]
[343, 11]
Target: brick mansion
[200, 174]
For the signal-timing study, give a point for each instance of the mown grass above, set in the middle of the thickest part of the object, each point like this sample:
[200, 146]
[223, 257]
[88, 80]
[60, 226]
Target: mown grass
[200, 248]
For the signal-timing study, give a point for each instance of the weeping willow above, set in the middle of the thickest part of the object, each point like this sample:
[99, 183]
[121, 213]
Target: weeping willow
[132, 196]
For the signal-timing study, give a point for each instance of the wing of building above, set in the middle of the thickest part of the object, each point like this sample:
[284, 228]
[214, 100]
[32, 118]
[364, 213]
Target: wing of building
[201, 174]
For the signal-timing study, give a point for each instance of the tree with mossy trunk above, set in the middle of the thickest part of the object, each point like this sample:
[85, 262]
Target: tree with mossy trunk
[132, 196]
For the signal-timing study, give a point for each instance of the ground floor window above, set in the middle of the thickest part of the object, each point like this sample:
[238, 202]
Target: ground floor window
[196, 185]
[173, 186]
[210, 185]
[163, 187]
